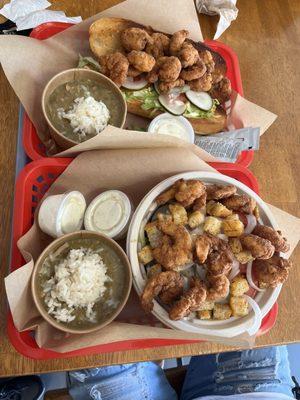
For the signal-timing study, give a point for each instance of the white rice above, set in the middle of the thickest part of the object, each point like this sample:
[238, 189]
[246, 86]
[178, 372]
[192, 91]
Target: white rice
[78, 282]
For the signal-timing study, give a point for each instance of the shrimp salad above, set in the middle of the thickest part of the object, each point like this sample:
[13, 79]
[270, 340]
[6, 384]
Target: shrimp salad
[207, 252]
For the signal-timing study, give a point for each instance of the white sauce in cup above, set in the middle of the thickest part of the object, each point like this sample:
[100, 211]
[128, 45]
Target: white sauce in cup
[177, 126]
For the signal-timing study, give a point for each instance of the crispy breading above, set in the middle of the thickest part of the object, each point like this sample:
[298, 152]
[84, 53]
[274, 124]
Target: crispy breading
[217, 192]
[275, 237]
[202, 84]
[177, 41]
[216, 209]
[115, 66]
[188, 55]
[166, 196]
[221, 90]
[196, 71]
[141, 61]
[135, 39]
[258, 247]
[169, 68]
[157, 284]
[154, 270]
[240, 203]
[272, 272]
[200, 203]
[218, 287]
[188, 191]
[165, 87]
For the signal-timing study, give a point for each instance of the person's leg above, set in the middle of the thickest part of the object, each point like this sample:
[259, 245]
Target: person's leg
[261, 370]
[123, 382]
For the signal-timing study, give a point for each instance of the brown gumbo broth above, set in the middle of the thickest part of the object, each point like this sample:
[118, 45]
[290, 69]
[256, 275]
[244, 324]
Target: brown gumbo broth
[114, 292]
[63, 98]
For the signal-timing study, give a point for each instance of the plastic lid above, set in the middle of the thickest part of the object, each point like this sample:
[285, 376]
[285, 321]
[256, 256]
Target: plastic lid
[71, 213]
[109, 213]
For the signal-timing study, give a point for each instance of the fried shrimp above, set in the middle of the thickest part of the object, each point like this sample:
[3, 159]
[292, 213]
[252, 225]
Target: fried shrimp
[220, 262]
[218, 287]
[177, 41]
[188, 55]
[165, 87]
[135, 39]
[190, 301]
[188, 191]
[159, 284]
[152, 76]
[222, 90]
[175, 248]
[202, 84]
[200, 203]
[159, 46]
[196, 71]
[259, 248]
[207, 58]
[115, 66]
[132, 72]
[166, 196]
[240, 203]
[203, 246]
[217, 192]
[272, 272]
[141, 61]
[275, 237]
[169, 68]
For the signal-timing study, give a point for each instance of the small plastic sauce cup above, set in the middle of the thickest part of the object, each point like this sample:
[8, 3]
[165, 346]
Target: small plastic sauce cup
[62, 213]
[157, 126]
[109, 213]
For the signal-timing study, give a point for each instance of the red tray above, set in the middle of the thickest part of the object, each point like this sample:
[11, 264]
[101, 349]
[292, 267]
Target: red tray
[35, 149]
[32, 183]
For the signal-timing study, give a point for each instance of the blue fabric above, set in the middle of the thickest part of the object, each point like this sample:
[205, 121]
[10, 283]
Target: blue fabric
[260, 370]
[122, 382]
[251, 371]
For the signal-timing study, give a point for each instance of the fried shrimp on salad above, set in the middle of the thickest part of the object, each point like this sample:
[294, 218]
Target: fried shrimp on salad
[175, 250]
[272, 272]
[195, 249]
[135, 39]
[115, 66]
[159, 284]
[275, 237]
[259, 247]
[190, 301]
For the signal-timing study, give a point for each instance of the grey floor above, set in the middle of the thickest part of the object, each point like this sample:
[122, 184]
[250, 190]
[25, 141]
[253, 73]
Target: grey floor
[57, 380]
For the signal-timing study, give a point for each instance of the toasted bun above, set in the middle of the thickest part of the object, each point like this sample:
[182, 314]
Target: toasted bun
[202, 126]
[105, 39]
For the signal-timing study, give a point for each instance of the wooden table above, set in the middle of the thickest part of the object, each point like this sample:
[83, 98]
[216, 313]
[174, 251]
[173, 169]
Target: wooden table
[265, 38]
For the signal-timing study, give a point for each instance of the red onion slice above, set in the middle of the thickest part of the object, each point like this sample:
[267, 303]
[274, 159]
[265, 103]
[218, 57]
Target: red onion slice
[249, 277]
[257, 316]
[251, 224]
[235, 270]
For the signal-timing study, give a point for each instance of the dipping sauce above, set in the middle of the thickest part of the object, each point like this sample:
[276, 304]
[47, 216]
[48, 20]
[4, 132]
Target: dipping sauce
[109, 213]
[82, 108]
[168, 124]
[82, 283]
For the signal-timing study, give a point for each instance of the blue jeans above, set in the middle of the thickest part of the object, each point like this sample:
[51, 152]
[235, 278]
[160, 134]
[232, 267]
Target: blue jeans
[261, 370]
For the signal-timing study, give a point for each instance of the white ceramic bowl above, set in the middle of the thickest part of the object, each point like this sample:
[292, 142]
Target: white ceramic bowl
[135, 238]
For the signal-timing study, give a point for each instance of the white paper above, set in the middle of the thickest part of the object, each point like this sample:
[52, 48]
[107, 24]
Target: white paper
[225, 8]
[40, 17]
[28, 14]
[19, 8]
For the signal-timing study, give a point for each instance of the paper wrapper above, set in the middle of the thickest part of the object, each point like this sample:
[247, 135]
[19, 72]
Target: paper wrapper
[135, 173]
[29, 75]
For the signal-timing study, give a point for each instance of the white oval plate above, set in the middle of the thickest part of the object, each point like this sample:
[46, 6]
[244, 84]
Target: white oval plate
[135, 239]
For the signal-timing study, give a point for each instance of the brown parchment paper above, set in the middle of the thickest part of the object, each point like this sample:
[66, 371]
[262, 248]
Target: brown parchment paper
[135, 173]
[29, 64]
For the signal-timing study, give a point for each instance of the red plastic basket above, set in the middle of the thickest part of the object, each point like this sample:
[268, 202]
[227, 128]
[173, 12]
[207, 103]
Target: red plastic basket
[32, 183]
[35, 149]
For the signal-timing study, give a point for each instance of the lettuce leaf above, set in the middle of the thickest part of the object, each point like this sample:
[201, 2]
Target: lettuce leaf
[149, 98]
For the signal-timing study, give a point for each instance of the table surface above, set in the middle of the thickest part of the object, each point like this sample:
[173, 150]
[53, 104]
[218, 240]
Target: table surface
[265, 37]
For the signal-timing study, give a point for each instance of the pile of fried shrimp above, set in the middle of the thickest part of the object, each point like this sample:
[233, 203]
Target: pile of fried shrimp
[195, 239]
[170, 61]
